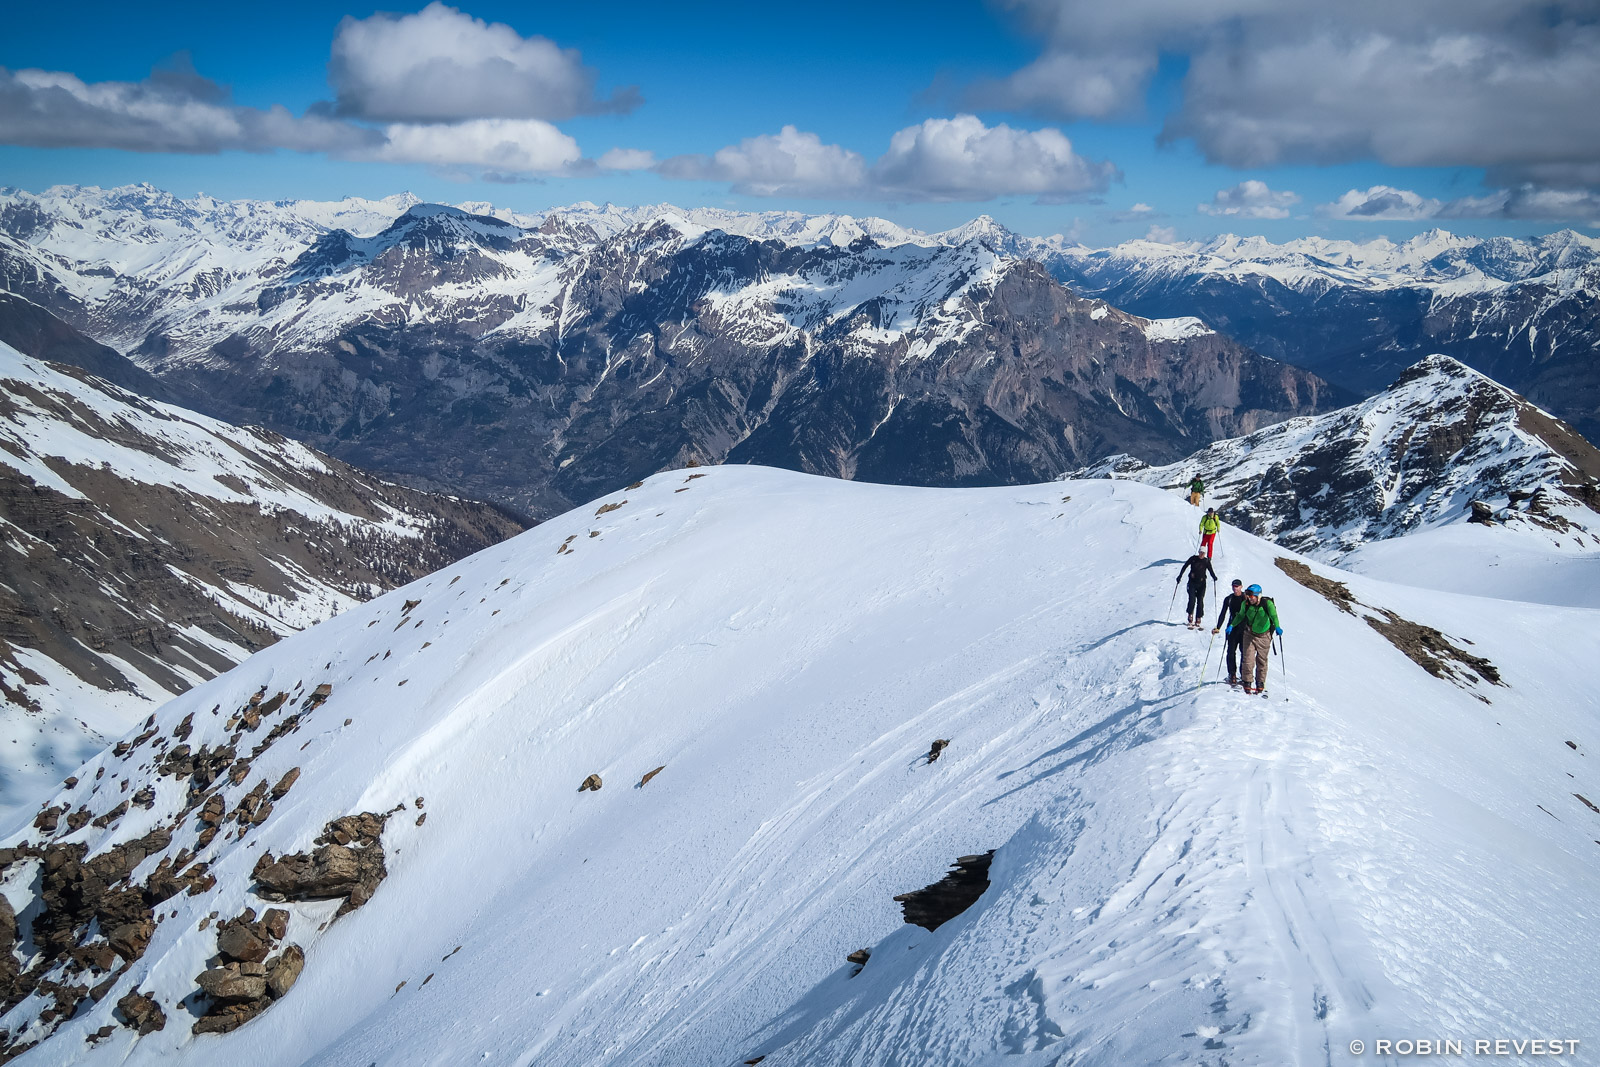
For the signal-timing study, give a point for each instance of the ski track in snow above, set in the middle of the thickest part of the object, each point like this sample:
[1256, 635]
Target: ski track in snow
[1183, 874]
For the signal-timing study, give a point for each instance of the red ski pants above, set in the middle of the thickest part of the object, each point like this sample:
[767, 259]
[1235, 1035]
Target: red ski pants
[1208, 542]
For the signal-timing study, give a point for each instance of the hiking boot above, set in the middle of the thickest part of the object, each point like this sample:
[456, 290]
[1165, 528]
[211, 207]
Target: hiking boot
[1233, 679]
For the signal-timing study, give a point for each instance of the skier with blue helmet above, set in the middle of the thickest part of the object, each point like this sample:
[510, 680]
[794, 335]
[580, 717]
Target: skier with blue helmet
[1258, 619]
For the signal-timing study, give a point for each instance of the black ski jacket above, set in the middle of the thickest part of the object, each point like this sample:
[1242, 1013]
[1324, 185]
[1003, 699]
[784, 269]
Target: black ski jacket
[1197, 565]
[1230, 607]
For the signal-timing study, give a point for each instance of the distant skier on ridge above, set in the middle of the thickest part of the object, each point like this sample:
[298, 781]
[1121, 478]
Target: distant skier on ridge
[1197, 566]
[1196, 488]
[1258, 621]
[1209, 525]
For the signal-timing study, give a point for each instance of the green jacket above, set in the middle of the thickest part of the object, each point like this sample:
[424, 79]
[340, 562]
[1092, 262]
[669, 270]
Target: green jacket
[1210, 524]
[1259, 618]
[1197, 486]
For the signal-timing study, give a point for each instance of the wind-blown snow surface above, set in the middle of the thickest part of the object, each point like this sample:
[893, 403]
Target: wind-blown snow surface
[1505, 562]
[1182, 873]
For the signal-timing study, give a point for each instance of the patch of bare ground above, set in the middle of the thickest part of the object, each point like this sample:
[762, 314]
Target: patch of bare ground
[1336, 593]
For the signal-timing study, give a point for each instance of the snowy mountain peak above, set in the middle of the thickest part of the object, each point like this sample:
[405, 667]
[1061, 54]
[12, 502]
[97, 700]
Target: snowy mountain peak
[1416, 456]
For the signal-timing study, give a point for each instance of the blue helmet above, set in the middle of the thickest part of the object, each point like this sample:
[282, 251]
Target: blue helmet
[1256, 589]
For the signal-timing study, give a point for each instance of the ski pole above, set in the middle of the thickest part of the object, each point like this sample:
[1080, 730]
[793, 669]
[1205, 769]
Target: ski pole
[1283, 667]
[1171, 602]
[1207, 660]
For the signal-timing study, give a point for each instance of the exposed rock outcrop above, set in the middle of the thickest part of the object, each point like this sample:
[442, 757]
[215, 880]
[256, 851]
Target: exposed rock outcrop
[348, 862]
[933, 906]
[247, 978]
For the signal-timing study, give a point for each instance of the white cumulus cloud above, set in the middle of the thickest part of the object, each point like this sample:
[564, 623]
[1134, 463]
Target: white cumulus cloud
[441, 64]
[177, 110]
[1378, 203]
[1508, 85]
[1068, 83]
[173, 110]
[1251, 199]
[962, 159]
[941, 159]
[791, 162]
[500, 145]
[1526, 201]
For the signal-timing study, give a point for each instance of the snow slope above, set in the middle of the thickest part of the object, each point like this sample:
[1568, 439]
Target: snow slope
[1182, 874]
[1503, 562]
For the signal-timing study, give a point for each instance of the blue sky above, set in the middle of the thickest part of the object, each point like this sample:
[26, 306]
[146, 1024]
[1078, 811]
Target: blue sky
[1051, 115]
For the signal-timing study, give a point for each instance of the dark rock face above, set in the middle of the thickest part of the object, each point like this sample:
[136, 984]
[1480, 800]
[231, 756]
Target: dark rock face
[245, 981]
[639, 382]
[1423, 645]
[95, 919]
[933, 906]
[34, 331]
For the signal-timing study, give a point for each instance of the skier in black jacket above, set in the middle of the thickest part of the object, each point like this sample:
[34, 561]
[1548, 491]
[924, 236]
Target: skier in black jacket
[1230, 607]
[1197, 565]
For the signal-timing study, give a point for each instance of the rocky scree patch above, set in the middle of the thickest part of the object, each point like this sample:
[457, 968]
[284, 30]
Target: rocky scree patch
[92, 920]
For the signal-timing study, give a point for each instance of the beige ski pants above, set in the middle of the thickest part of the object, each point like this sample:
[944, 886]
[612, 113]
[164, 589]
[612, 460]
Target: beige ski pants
[1257, 647]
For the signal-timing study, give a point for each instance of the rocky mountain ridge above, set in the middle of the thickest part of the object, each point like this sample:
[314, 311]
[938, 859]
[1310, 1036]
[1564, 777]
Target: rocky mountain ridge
[1524, 312]
[544, 365]
[145, 548]
[1421, 454]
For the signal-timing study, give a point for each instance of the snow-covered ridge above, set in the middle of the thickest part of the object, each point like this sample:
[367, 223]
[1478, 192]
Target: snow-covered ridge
[1412, 457]
[1180, 872]
[1444, 263]
[1177, 329]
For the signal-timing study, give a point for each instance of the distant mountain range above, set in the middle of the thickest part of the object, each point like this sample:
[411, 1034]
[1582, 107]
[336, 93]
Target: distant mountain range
[1526, 313]
[542, 361]
[146, 548]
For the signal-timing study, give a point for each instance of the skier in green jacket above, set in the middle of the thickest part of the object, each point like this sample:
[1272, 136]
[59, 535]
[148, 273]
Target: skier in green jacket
[1259, 620]
[1196, 488]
